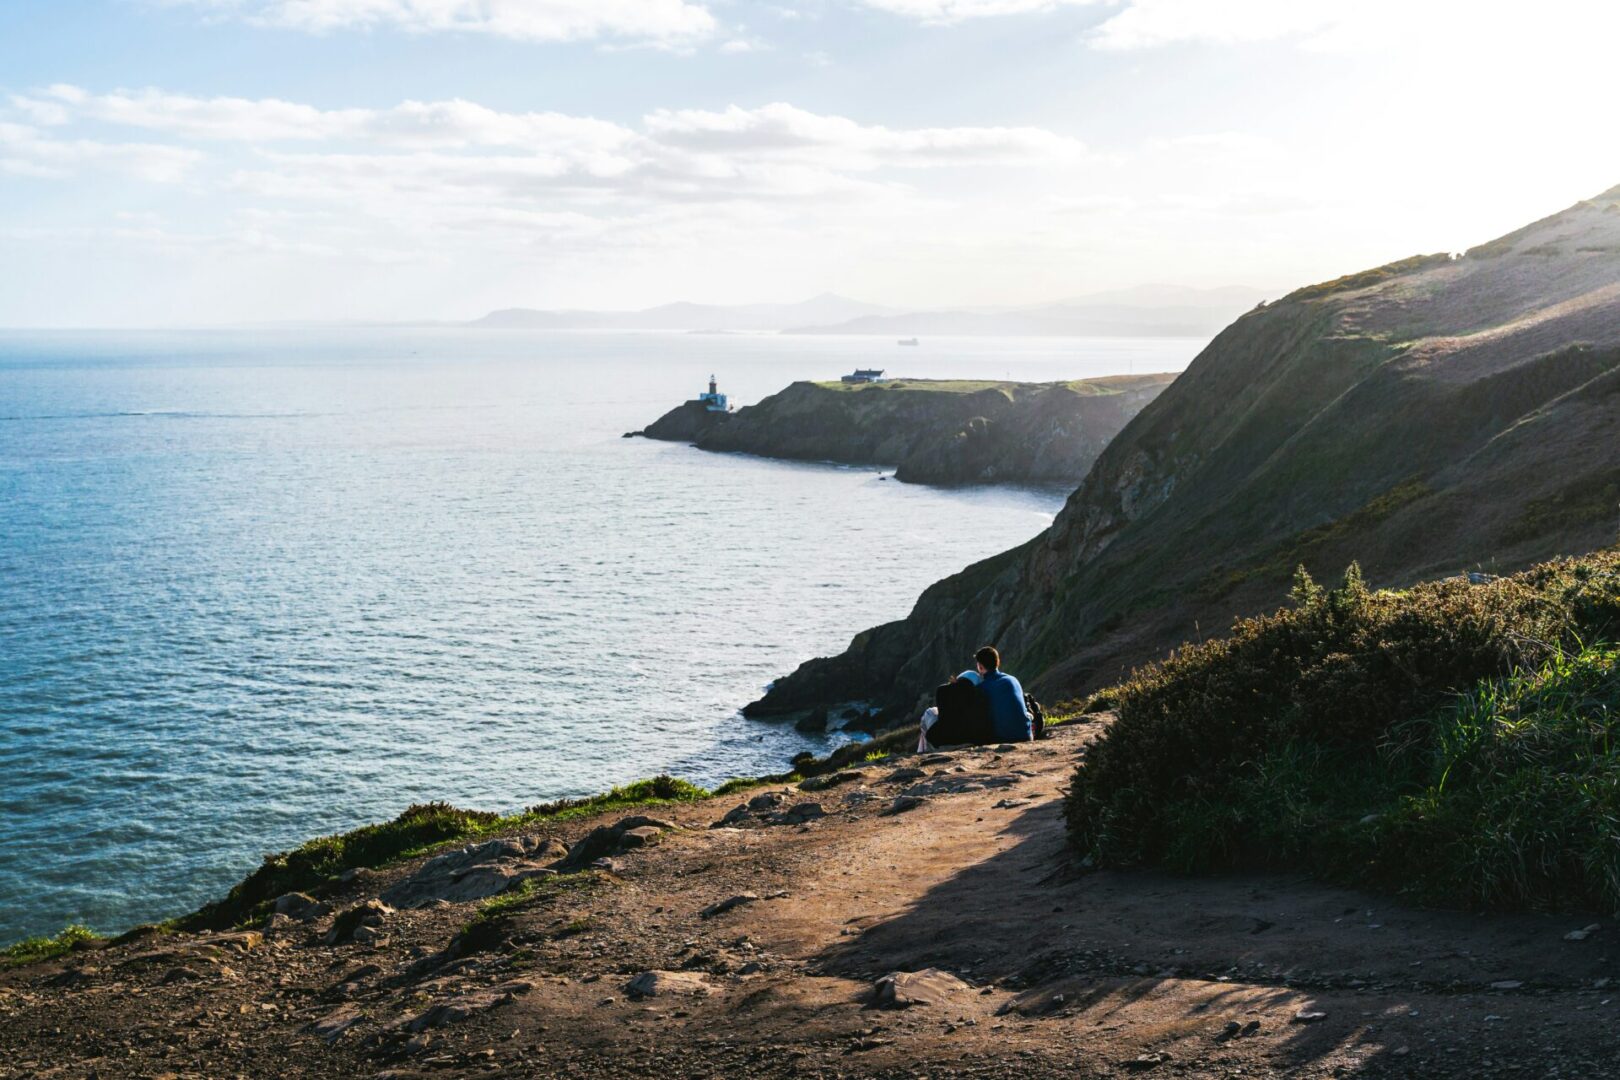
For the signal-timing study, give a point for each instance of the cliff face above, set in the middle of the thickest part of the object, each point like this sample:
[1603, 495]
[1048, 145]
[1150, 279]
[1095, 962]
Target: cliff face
[1429, 416]
[936, 432]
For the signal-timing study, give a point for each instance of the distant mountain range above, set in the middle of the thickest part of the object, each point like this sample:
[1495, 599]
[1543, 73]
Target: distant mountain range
[1144, 311]
[818, 310]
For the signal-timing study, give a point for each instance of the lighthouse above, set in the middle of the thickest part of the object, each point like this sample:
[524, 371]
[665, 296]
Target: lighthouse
[714, 400]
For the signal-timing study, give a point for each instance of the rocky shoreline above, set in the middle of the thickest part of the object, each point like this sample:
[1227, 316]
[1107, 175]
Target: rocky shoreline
[942, 432]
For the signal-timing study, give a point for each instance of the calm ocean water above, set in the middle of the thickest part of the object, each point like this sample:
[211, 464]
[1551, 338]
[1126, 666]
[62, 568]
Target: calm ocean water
[259, 586]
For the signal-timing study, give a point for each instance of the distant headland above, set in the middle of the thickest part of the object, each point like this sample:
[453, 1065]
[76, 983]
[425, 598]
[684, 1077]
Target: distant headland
[932, 431]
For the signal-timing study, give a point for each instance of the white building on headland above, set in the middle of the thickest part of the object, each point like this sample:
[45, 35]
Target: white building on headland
[714, 400]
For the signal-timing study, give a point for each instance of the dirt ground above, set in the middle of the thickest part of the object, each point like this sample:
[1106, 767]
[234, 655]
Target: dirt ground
[954, 862]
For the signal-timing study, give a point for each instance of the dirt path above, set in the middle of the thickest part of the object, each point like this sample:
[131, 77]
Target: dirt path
[952, 862]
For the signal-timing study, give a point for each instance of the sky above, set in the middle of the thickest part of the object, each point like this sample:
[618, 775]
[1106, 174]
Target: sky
[198, 162]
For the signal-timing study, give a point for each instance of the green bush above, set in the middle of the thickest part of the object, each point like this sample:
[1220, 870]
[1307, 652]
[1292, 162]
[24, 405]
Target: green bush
[1302, 739]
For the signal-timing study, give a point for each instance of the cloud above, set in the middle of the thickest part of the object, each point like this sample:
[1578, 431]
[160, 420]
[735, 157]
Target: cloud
[781, 130]
[953, 11]
[26, 151]
[678, 149]
[649, 21]
[411, 124]
[1434, 28]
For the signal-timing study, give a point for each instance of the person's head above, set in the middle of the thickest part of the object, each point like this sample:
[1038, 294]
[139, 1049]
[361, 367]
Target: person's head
[988, 659]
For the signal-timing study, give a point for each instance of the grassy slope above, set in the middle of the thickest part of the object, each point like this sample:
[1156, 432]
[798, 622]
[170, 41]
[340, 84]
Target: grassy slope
[1454, 742]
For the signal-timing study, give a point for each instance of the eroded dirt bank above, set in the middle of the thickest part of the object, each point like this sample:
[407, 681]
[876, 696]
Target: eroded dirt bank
[704, 940]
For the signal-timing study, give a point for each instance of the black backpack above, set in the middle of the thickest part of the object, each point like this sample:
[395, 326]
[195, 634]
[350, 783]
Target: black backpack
[964, 715]
[1038, 725]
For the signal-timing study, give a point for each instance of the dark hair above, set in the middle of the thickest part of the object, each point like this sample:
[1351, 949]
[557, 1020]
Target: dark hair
[988, 657]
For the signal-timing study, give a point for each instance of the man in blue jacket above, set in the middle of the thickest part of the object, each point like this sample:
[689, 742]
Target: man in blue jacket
[1009, 719]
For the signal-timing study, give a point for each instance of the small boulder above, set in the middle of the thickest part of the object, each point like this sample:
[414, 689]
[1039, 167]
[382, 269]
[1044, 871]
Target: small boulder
[801, 812]
[654, 983]
[737, 816]
[905, 776]
[1308, 1016]
[832, 780]
[903, 989]
[370, 913]
[330, 1028]
[640, 836]
[300, 906]
[902, 803]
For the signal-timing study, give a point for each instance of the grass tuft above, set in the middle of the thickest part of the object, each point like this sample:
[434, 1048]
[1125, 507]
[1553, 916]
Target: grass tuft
[33, 950]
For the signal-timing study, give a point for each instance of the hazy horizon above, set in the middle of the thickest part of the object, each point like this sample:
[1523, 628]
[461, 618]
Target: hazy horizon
[228, 162]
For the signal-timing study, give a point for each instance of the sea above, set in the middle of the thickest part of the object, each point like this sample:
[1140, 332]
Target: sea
[259, 585]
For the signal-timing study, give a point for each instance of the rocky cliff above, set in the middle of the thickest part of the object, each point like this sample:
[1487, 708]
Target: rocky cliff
[932, 431]
[686, 422]
[1429, 416]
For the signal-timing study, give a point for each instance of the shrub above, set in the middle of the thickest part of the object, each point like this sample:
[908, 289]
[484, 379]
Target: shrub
[1292, 742]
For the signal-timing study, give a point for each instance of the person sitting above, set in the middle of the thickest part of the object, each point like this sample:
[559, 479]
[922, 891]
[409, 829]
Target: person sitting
[959, 715]
[1010, 720]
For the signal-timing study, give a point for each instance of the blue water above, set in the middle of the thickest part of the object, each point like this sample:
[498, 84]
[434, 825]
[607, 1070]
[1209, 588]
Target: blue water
[259, 586]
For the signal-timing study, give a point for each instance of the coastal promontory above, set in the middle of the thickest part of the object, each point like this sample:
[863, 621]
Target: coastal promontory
[947, 432]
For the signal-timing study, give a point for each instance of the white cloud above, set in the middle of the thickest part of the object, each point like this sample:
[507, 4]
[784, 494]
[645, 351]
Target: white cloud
[411, 124]
[952, 11]
[1437, 29]
[780, 129]
[26, 151]
[655, 21]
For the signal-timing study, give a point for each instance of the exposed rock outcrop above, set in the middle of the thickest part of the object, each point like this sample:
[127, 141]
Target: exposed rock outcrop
[477, 871]
[1423, 417]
